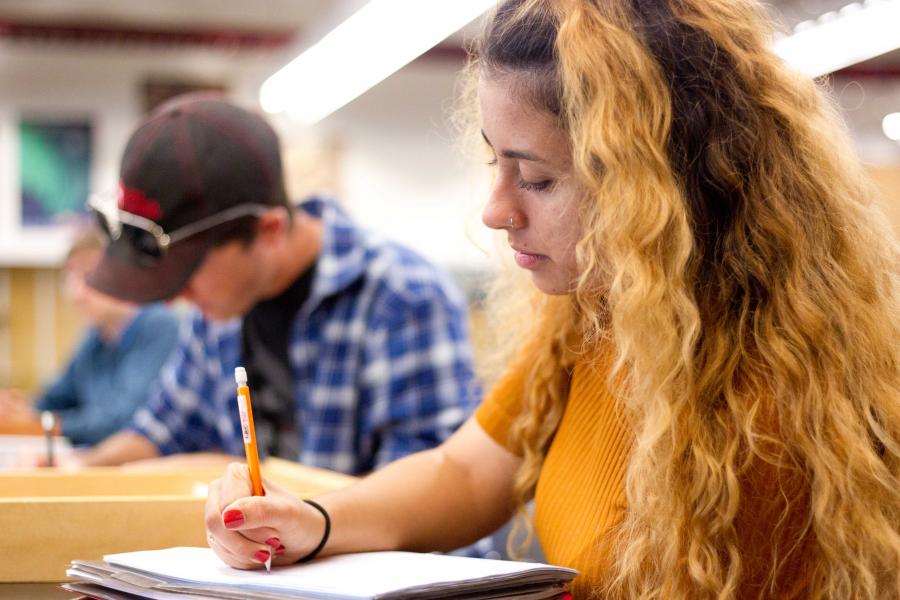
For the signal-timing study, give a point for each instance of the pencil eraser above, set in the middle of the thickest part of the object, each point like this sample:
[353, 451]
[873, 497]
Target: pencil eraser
[240, 376]
[48, 421]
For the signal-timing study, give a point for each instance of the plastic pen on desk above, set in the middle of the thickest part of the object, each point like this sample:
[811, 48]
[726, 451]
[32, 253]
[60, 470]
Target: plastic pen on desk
[245, 408]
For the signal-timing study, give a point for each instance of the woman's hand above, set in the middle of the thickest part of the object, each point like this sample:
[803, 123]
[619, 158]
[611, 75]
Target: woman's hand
[242, 529]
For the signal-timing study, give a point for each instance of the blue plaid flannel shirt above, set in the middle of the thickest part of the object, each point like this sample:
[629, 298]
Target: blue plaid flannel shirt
[380, 355]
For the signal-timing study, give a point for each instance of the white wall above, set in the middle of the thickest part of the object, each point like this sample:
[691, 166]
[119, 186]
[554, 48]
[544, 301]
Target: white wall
[403, 171]
[864, 103]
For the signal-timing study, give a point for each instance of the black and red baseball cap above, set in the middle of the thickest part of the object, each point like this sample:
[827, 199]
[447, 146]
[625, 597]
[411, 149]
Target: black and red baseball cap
[195, 164]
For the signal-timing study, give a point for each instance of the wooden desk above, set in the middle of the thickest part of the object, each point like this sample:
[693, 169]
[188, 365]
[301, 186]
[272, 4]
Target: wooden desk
[34, 591]
[52, 517]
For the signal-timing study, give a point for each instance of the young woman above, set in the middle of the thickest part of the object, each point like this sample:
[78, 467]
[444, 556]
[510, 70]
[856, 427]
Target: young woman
[704, 398]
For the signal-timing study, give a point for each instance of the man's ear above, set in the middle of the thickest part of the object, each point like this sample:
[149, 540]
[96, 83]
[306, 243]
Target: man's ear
[272, 224]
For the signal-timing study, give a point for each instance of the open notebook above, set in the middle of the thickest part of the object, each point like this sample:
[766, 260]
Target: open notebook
[197, 573]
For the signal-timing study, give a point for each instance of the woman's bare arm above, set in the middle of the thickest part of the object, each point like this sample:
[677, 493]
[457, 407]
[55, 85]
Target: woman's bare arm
[439, 499]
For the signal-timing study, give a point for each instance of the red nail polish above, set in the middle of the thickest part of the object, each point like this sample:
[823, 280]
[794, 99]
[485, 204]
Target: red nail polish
[279, 550]
[233, 518]
[261, 556]
[273, 542]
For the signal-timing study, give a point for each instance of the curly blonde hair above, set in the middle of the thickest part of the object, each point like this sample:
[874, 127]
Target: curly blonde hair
[732, 254]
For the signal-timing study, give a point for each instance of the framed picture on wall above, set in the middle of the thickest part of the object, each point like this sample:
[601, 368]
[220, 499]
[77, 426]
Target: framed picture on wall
[157, 90]
[54, 171]
[45, 179]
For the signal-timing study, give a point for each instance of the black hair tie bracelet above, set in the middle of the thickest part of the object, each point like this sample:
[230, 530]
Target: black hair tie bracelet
[325, 535]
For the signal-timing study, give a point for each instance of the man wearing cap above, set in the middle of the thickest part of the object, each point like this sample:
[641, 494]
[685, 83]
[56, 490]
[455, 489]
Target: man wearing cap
[356, 347]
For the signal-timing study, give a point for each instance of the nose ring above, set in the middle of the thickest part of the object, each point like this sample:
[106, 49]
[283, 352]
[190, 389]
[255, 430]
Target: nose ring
[511, 221]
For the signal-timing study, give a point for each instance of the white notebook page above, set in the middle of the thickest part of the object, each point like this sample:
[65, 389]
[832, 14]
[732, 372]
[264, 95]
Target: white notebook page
[362, 575]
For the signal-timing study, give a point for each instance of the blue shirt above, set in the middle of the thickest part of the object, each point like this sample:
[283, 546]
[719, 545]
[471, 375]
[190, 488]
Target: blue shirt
[105, 382]
[379, 353]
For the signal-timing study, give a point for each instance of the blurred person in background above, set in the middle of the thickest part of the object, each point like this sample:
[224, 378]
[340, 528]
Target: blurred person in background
[112, 369]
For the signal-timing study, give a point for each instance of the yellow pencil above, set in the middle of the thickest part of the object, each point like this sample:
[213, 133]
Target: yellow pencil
[245, 408]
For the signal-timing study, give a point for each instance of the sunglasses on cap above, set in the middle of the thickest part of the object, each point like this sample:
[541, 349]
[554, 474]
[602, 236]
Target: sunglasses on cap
[148, 238]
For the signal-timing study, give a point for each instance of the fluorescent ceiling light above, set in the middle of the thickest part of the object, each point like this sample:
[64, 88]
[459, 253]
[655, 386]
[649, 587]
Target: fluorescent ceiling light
[838, 39]
[891, 126]
[376, 41]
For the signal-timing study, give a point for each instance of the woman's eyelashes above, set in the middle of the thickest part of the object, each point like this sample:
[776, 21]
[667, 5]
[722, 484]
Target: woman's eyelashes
[535, 186]
[529, 186]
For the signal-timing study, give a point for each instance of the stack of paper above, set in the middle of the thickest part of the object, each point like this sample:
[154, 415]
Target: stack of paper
[197, 573]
